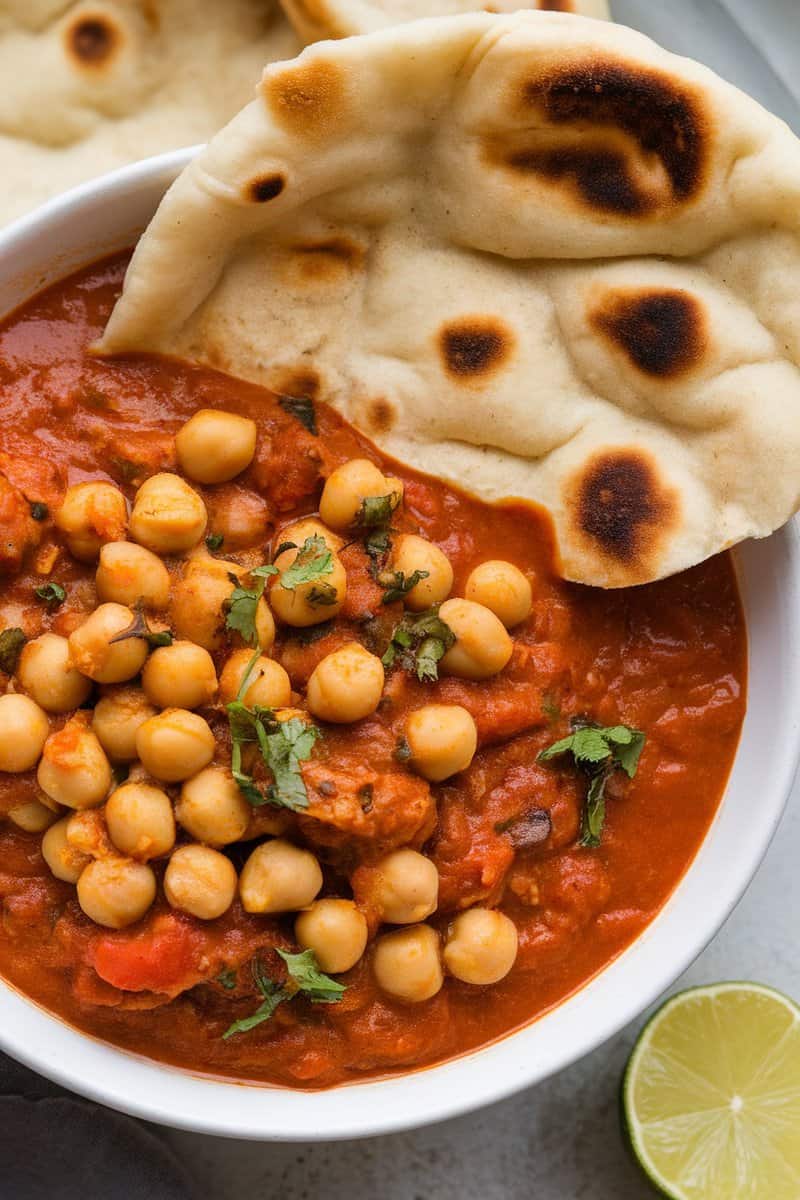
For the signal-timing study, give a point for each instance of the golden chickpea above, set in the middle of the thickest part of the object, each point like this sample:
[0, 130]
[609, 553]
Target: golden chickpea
[212, 809]
[443, 739]
[407, 963]
[200, 881]
[95, 653]
[279, 877]
[23, 731]
[407, 887]
[336, 931]
[116, 718]
[90, 515]
[32, 816]
[412, 553]
[199, 603]
[87, 832]
[309, 527]
[215, 446]
[73, 769]
[308, 603]
[346, 685]
[64, 861]
[268, 684]
[174, 745]
[265, 625]
[349, 486]
[130, 574]
[503, 589]
[179, 676]
[140, 821]
[46, 673]
[168, 516]
[116, 892]
[482, 646]
[481, 946]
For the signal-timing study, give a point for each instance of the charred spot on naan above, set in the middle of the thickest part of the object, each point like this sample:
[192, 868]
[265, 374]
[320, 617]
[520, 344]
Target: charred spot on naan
[266, 187]
[474, 348]
[328, 260]
[381, 415]
[302, 383]
[92, 40]
[309, 99]
[619, 501]
[662, 331]
[632, 140]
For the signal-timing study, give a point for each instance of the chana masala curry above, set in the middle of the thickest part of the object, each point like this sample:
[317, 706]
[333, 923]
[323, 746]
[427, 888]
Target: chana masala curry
[311, 768]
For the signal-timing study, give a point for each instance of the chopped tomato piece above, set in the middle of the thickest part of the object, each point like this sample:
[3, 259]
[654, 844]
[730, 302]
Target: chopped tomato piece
[165, 956]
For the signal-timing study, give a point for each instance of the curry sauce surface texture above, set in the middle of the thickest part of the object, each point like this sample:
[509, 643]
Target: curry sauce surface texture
[667, 659]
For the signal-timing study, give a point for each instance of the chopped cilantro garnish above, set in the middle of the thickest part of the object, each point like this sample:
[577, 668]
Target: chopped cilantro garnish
[304, 979]
[139, 628]
[376, 512]
[400, 585]
[243, 602]
[313, 561]
[11, 642]
[52, 594]
[39, 511]
[419, 641]
[227, 979]
[214, 541]
[302, 409]
[598, 751]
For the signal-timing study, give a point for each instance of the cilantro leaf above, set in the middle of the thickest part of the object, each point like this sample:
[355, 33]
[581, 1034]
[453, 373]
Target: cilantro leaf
[322, 594]
[418, 643]
[376, 511]
[274, 995]
[598, 751]
[302, 409]
[283, 751]
[39, 511]
[400, 585]
[305, 974]
[377, 545]
[227, 979]
[243, 602]
[11, 642]
[214, 541]
[313, 561]
[139, 628]
[52, 594]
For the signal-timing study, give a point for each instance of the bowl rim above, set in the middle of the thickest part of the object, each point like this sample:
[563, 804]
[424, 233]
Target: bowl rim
[681, 929]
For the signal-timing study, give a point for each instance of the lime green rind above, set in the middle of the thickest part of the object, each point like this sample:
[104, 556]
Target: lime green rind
[776, 1117]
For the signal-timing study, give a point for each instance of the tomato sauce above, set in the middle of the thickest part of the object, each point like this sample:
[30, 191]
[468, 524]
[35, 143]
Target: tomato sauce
[668, 659]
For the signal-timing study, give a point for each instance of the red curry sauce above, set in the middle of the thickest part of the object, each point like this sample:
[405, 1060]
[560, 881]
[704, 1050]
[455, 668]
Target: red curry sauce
[668, 659]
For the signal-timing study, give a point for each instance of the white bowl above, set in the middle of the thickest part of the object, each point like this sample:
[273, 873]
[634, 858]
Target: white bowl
[107, 215]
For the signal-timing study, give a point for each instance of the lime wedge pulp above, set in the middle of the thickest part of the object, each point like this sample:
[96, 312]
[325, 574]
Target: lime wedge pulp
[711, 1095]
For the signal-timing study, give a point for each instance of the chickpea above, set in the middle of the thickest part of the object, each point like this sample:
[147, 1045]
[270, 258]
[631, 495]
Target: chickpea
[407, 888]
[503, 589]
[412, 553]
[168, 516]
[116, 718]
[73, 769]
[349, 485]
[279, 877]
[46, 673]
[268, 683]
[308, 603]
[23, 731]
[116, 892]
[174, 745]
[179, 676]
[265, 625]
[407, 963]
[212, 809]
[482, 646]
[241, 517]
[64, 861]
[443, 739]
[90, 515]
[32, 816]
[87, 832]
[336, 931]
[94, 651]
[200, 881]
[140, 821]
[481, 946]
[346, 685]
[299, 531]
[130, 574]
[215, 446]
[199, 603]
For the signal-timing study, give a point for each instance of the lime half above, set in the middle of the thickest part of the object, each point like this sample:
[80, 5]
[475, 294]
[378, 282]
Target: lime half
[711, 1095]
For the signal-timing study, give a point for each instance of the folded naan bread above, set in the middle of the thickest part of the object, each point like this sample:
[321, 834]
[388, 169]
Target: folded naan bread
[535, 254]
[90, 86]
[316, 19]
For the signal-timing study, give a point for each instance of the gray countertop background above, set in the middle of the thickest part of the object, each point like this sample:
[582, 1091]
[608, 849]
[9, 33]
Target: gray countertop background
[559, 1141]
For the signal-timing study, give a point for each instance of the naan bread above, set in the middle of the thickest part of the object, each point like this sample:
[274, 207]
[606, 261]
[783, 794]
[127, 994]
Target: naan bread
[316, 19]
[90, 86]
[536, 255]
